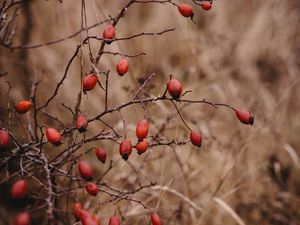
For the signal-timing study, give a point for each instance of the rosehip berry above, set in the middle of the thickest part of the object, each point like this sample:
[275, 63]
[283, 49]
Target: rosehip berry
[89, 82]
[244, 116]
[142, 147]
[101, 154]
[109, 33]
[114, 220]
[174, 88]
[125, 149]
[85, 170]
[53, 136]
[196, 139]
[4, 139]
[97, 220]
[185, 10]
[85, 214]
[142, 129]
[77, 210]
[81, 123]
[92, 188]
[122, 67]
[22, 219]
[23, 106]
[206, 5]
[18, 189]
[155, 220]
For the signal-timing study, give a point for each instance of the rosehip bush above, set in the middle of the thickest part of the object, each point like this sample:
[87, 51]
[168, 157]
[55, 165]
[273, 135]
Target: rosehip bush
[61, 161]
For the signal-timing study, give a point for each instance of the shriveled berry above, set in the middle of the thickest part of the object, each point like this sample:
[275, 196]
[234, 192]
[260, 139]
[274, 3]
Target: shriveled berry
[101, 154]
[174, 88]
[114, 220]
[53, 136]
[122, 67]
[142, 147]
[81, 123]
[185, 10]
[77, 210]
[89, 82]
[206, 5]
[85, 170]
[125, 149]
[18, 189]
[22, 219]
[142, 129]
[23, 106]
[245, 117]
[109, 33]
[155, 220]
[195, 138]
[4, 139]
[92, 188]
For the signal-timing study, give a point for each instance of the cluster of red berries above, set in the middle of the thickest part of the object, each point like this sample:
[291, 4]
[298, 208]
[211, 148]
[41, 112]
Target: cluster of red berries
[187, 11]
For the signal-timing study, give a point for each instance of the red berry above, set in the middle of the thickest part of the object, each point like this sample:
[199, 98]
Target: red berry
[81, 123]
[206, 5]
[155, 220]
[23, 106]
[186, 10]
[53, 136]
[101, 154]
[142, 147]
[77, 210]
[174, 88]
[85, 170]
[244, 116]
[196, 139]
[4, 139]
[89, 82]
[22, 219]
[85, 214]
[97, 220]
[125, 149]
[122, 67]
[114, 220]
[142, 129]
[109, 33]
[88, 219]
[18, 189]
[92, 188]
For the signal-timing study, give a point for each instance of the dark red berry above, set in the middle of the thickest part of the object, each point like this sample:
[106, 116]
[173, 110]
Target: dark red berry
[155, 220]
[142, 147]
[142, 129]
[114, 220]
[23, 106]
[85, 170]
[245, 117]
[174, 88]
[122, 67]
[196, 139]
[101, 154]
[81, 123]
[89, 82]
[4, 139]
[206, 5]
[92, 188]
[18, 189]
[125, 149]
[185, 10]
[22, 219]
[53, 136]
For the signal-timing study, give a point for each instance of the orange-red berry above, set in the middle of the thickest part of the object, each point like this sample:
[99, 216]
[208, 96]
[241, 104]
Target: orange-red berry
[174, 88]
[81, 123]
[245, 117]
[109, 33]
[142, 147]
[125, 149]
[122, 67]
[22, 219]
[77, 210]
[4, 139]
[85, 170]
[89, 82]
[185, 10]
[18, 189]
[101, 154]
[92, 188]
[23, 106]
[195, 138]
[142, 129]
[53, 136]
[155, 220]
[206, 5]
[114, 220]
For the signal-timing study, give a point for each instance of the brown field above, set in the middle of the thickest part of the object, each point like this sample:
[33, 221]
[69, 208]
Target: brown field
[242, 53]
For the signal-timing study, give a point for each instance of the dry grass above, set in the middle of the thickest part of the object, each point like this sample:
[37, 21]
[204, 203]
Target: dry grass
[245, 53]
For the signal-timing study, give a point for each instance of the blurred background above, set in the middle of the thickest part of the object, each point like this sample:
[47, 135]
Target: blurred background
[243, 53]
